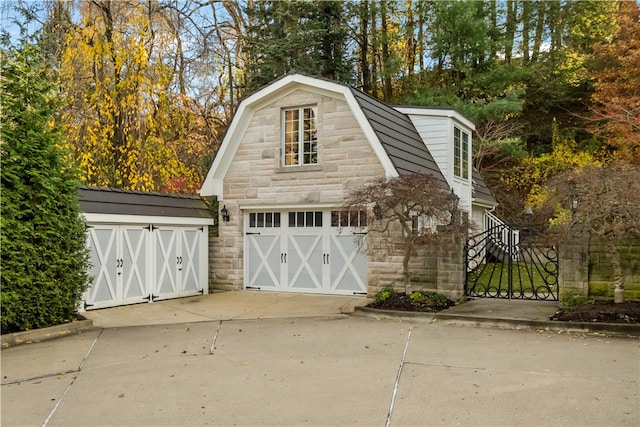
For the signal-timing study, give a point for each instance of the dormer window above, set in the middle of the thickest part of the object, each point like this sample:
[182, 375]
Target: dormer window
[300, 137]
[460, 153]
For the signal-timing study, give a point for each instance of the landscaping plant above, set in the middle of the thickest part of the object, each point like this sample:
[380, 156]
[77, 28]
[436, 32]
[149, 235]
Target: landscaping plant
[44, 257]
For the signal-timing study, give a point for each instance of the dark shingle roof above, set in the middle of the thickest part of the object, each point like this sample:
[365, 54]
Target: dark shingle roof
[126, 202]
[399, 137]
[481, 191]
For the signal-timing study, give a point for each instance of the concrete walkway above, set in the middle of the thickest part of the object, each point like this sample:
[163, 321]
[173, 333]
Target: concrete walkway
[265, 359]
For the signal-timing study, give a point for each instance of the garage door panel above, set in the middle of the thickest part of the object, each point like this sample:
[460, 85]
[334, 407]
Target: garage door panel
[305, 262]
[190, 262]
[264, 260]
[165, 264]
[102, 241]
[348, 264]
[134, 265]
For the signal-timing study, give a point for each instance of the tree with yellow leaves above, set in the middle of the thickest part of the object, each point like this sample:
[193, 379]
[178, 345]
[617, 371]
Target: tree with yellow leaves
[115, 86]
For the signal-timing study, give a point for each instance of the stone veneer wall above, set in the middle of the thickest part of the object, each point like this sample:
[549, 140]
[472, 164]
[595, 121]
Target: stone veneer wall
[585, 270]
[256, 177]
[438, 266]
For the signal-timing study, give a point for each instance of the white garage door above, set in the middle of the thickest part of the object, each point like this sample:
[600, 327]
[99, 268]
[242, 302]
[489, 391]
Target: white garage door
[135, 263]
[306, 251]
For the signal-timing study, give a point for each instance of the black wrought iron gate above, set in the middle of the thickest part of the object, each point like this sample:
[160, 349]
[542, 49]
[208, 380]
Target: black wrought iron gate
[506, 262]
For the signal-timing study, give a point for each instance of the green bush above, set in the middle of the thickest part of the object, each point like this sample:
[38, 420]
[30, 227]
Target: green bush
[44, 259]
[384, 294]
[572, 301]
[430, 299]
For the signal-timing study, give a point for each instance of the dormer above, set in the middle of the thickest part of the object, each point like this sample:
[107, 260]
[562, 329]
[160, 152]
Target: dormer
[447, 134]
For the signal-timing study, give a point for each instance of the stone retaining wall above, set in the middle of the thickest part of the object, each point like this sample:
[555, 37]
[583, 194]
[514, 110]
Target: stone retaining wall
[585, 270]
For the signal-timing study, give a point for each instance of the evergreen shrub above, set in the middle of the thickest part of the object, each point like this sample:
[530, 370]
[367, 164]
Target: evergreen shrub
[44, 259]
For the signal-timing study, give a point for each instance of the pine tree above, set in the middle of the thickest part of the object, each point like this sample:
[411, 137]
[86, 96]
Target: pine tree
[44, 256]
[309, 37]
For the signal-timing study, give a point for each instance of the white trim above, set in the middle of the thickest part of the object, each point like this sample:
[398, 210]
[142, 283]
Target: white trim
[296, 207]
[437, 112]
[139, 219]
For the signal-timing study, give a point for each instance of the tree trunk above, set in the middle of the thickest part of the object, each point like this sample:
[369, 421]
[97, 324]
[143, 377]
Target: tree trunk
[408, 248]
[618, 279]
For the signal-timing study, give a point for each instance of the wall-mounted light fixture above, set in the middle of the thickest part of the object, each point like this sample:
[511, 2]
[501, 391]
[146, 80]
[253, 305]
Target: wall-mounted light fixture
[453, 200]
[224, 213]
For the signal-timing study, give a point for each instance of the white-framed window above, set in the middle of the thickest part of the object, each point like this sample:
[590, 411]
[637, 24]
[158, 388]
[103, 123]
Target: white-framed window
[460, 153]
[299, 136]
[305, 219]
[423, 224]
[264, 219]
[355, 219]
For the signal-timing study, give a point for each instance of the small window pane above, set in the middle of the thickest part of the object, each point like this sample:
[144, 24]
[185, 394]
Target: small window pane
[344, 219]
[309, 219]
[318, 221]
[268, 219]
[300, 219]
[260, 219]
[292, 219]
[335, 218]
[276, 219]
[252, 219]
[363, 218]
[465, 155]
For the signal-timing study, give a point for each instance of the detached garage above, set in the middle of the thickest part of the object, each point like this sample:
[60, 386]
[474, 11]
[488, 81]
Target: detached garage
[144, 247]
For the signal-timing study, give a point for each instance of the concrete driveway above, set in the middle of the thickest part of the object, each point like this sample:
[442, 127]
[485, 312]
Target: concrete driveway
[333, 370]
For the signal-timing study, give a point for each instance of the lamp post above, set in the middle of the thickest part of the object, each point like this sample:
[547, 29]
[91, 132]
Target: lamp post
[573, 200]
[528, 214]
[452, 200]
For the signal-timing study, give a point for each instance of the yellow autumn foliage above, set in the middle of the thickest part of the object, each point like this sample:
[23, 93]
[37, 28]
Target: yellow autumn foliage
[114, 90]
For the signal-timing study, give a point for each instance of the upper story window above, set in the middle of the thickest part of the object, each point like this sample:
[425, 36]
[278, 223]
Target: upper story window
[300, 137]
[460, 153]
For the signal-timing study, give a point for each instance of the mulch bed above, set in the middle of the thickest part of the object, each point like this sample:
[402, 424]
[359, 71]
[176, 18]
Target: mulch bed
[402, 302]
[597, 311]
[603, 312]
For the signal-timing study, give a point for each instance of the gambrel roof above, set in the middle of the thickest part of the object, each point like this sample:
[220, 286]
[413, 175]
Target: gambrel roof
[398, 137]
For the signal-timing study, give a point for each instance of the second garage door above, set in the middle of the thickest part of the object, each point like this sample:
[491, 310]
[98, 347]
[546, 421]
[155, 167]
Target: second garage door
[306, 251]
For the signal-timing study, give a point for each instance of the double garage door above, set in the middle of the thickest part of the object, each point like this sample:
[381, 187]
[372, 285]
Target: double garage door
[306, 251]
[144, 263]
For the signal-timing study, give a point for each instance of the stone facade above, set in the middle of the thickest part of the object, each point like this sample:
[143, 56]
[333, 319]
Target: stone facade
[437, 266]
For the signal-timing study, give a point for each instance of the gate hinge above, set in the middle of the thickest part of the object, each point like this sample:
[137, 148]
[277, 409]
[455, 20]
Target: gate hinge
[201, 291]
[87, 305]
[252, 287]
[360, 293]
[251, 234]
[154, 297]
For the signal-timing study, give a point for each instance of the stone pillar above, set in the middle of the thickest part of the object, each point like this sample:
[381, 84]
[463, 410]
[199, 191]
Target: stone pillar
[226, 254]
[451, 262]
[573, 271]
